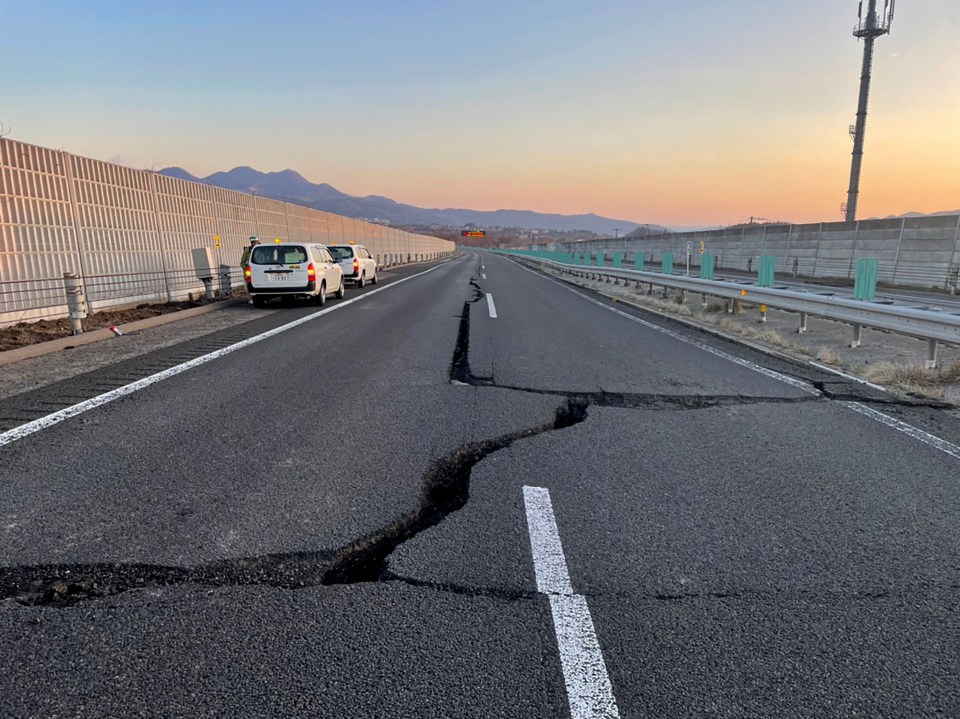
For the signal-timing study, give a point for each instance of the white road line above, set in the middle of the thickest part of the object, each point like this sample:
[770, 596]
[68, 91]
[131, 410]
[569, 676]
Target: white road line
[825, 368]
[589, 692]
[484, 276]
[549, 564]
[799, 384]
[492, 307]
[908, 429]
[50, 420]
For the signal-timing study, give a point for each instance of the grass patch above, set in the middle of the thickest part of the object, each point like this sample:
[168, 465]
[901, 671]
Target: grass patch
[774, 338]
[901, 374]
[951, 374]
[828, 356]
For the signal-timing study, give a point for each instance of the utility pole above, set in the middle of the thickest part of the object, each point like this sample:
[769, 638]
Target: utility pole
[868, 29]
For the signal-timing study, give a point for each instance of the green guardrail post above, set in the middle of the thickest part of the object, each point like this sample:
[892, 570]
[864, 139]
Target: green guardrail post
[707, 262]
[865, 284]
[666, 260]
[766, 271]
[618, 259]
[638, 261]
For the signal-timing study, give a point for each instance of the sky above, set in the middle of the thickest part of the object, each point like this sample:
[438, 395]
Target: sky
[682, 113]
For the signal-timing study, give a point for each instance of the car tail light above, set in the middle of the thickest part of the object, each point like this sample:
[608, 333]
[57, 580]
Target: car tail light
[356, 265]
[311, 273]
[248, 275]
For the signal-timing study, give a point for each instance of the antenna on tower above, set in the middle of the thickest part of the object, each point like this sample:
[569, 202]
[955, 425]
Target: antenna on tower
[868, 29]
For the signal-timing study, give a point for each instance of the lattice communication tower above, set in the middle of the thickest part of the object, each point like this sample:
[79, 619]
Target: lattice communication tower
[868, 28]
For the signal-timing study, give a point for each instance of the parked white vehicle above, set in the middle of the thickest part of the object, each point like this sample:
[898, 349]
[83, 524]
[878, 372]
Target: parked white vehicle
[293, 270]
[358, 265]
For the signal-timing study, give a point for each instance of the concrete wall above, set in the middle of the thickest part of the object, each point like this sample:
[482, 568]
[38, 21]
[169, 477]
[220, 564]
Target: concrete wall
[917, 251]
[129, 233]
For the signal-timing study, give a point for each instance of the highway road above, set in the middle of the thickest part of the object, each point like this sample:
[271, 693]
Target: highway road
[475, 491]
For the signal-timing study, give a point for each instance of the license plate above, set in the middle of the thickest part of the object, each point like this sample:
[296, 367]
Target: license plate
[277, 277]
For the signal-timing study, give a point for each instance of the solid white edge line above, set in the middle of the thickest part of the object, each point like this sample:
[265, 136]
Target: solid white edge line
[825, 368]
[799, 384]
[491, 307]
[589, 692]
[908, 429]
[50, 420]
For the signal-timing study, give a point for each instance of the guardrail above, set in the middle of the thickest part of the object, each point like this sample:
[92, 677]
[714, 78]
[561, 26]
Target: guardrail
[927, 323]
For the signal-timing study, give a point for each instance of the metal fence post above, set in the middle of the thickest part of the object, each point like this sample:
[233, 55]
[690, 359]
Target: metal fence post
[896, 261]
[155, 197]
[816, 251]
[65, 158]
[853, 250]
[76, 302]
[953, 271]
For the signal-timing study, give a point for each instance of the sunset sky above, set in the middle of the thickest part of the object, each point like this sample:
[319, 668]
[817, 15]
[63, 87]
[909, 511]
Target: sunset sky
[689, 112]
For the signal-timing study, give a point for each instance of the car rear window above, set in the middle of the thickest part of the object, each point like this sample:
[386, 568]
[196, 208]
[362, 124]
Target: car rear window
[278, 255]
[340, 253]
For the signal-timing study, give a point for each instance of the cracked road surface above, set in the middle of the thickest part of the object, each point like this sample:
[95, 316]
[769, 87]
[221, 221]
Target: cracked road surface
[331, 522]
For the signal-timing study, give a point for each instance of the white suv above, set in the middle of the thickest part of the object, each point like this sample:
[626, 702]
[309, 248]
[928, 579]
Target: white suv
[292, 269]
[357, 263]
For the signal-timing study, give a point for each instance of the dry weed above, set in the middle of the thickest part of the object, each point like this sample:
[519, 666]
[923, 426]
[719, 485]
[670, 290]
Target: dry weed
[901, 374]
[951, 374]
[828, 356]
[775, 338]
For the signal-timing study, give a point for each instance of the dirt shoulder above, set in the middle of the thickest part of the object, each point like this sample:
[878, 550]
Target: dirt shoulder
[24, 334]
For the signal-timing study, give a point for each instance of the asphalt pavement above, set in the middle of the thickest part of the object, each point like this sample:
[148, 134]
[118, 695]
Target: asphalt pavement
[475, 491]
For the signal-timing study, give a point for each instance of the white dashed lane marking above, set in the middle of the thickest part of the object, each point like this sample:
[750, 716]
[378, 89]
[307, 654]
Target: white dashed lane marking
[589, 692]
[492, 307]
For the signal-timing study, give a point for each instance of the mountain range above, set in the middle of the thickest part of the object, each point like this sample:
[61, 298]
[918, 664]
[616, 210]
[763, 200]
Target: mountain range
[293, 187]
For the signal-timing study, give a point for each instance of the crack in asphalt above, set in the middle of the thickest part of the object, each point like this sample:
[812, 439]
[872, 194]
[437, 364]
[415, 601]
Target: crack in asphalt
[445, 489]
[463, 590]
[66, 584]
[826, 388]
[660, 402]
[460, 372]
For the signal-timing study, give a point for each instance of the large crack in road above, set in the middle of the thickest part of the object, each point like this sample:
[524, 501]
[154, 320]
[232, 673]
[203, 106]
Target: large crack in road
[445, 489]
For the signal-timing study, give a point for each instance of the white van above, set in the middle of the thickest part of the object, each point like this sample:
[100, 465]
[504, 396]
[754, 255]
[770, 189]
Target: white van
[358, 265]
[294, 270]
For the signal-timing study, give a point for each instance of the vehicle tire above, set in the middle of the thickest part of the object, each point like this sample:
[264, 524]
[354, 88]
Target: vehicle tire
[259, 300]
[362, 281]
[342, 291]
[373, 281]
[321, 298]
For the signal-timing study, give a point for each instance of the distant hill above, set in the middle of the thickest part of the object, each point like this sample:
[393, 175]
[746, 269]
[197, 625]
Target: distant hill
[293, 187]
[919, 214]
